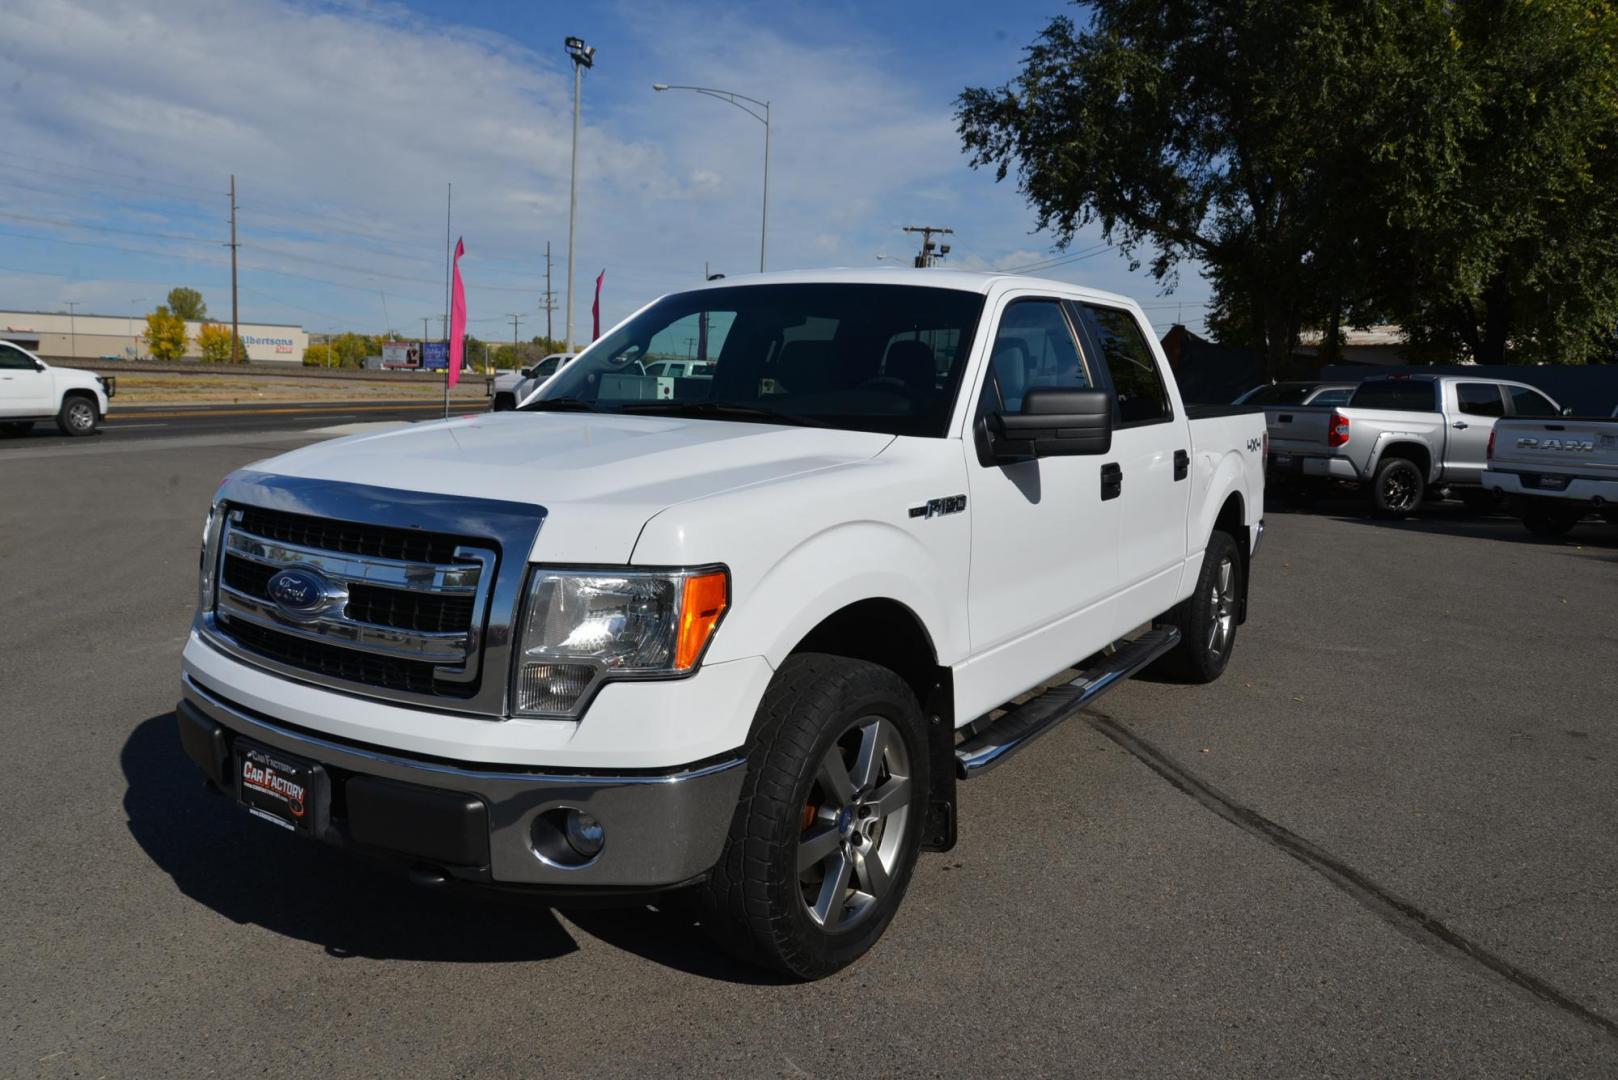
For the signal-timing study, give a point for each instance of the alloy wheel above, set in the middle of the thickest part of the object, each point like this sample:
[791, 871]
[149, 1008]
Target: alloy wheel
[1222, 602]
[854, 824]
[80, 416]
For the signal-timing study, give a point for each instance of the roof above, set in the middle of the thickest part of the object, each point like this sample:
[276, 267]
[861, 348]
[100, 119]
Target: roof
[978, 281]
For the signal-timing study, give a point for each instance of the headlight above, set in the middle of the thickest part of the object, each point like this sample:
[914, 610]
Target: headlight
[205, 568]
[580, 628]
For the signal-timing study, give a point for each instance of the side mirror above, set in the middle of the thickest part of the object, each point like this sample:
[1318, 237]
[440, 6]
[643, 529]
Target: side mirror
[528, 373]
[1054, 422]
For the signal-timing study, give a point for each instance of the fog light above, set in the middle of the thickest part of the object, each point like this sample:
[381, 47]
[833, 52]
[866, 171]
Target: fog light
[585, 834]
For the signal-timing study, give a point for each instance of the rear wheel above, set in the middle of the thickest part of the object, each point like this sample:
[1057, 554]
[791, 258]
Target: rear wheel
[78, 415]
[1550, 523]
[1398, 487]
[1207, 618]
[829, 822]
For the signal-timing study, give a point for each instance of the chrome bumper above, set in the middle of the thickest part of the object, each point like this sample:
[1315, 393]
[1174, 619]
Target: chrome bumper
[661, 829]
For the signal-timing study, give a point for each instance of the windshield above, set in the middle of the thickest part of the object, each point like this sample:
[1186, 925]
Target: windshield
[885, 358]
[1278, 394]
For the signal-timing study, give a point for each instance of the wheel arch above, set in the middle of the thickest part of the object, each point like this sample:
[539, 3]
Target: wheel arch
[84, 392]
[1398, 446]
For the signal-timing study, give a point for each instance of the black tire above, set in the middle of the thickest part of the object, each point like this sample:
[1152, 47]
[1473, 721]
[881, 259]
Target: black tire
[1480, 500]
[1398, 487]
[1611, 515]
[16, 427]
[1550, 523]
[757, 902]
[1207, 619]
[78, 415]
[503, 402]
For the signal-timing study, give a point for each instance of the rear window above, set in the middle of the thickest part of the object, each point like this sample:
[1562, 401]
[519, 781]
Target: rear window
[1526, 402]
[1399, 395]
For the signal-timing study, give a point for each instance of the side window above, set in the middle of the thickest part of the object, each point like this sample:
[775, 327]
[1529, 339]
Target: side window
[1480, 399]
[1526, 402]
[1115, 337]
[1034, 347]
[14, 359]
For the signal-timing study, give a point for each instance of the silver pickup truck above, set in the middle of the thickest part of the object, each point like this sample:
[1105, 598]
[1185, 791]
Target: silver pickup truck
[1556, 472]
[1400, 435]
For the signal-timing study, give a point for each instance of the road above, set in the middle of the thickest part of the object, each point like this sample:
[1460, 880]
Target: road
[167, 421]
[1381, 845]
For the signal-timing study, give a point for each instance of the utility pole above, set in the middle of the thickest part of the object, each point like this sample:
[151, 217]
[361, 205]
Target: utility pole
[424, 319]
[927, 256]
[516, 358]
[583, 56]
[72, 328]
[235, 311]
[550, 297]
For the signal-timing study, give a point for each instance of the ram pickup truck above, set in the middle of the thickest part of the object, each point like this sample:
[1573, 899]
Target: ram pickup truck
[742, 642]
[1400, 435]
[1556, 472]
[32, 390]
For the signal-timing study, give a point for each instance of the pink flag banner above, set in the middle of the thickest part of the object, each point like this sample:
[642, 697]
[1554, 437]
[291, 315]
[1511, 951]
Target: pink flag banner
[457, 318]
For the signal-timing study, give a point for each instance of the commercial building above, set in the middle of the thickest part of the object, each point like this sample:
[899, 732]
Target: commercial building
[123, 337]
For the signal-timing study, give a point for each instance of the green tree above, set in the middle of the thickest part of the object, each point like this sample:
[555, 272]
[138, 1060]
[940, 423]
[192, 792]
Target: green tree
[1448, 165]
[187, 304]
[165, 335]
[213, 341]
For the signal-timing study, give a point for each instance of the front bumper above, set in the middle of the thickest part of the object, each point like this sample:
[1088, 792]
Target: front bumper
[476, 822]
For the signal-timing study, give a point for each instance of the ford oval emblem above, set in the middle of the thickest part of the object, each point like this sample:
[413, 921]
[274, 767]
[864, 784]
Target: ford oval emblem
[302, 594]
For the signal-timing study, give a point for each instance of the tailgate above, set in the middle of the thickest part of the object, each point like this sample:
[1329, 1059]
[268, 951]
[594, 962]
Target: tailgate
[1585, 447]
[1298, 428]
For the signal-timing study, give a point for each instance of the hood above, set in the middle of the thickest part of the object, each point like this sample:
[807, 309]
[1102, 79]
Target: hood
[599, 476]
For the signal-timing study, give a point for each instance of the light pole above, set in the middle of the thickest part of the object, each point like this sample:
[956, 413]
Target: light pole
[732, 98]
[583, 56]
[134, 343]
[72, 328]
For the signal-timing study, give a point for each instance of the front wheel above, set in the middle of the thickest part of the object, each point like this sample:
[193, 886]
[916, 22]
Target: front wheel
[78, 416]
[1398, 487]
[1207, 618]
[829, 822]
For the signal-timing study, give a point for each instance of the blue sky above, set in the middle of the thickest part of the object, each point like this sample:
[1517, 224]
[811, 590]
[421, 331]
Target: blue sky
[120, 124]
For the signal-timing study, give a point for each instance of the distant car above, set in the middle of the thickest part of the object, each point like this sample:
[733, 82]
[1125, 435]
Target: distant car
[511, 388]
[681, 369]
[1298, 393]
[32, 390]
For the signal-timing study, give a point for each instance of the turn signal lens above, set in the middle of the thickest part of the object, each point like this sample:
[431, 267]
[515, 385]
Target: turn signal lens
[1337, 432]
[703, 601]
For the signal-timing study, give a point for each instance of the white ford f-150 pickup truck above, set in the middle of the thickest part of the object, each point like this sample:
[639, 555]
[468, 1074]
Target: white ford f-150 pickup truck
[1556, 472]
[742, 641]
[32, 390]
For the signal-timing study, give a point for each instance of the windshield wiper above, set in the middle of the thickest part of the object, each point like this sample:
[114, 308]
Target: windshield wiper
[721, 410]
[560, 404]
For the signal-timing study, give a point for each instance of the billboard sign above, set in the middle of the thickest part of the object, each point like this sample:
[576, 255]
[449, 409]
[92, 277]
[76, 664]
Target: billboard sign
[435, 355]
[401, 354]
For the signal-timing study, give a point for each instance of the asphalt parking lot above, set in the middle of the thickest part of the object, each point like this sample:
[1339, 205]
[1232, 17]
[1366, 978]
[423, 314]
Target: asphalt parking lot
[1382, 845]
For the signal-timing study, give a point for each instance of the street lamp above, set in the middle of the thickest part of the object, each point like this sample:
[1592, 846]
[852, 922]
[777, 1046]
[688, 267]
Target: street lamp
[735, 99]
[583, 56]
[134, 344]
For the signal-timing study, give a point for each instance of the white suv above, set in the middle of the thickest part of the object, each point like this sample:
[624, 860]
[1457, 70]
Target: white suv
[32, 390]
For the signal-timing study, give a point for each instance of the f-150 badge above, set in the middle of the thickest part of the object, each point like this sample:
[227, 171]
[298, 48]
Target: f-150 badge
[950, 504]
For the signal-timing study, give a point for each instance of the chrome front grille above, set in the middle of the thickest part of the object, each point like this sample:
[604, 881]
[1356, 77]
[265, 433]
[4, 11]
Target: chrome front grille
[410, 606]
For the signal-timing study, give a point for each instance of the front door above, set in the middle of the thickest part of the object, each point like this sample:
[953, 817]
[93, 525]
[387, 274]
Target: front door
[24, 389]
[1044, 543]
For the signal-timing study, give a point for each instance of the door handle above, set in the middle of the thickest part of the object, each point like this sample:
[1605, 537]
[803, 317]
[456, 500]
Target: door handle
[1112, 481]
[1182, 464]
[1461, 425]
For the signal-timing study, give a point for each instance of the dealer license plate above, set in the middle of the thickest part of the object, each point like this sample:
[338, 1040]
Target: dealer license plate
[279, 788]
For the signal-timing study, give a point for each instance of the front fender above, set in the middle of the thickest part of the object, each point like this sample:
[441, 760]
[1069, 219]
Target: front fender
[828, 571]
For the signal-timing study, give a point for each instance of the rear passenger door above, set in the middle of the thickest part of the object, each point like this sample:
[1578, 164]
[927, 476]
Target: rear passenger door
[1471, 416]
[1151, 446]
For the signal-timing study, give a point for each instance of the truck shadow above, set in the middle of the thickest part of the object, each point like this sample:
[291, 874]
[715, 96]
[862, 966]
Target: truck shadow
[254, 874]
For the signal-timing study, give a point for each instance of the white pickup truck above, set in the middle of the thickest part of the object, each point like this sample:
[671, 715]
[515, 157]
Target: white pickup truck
[742, 641]
[32, 390]
[1556, 472]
